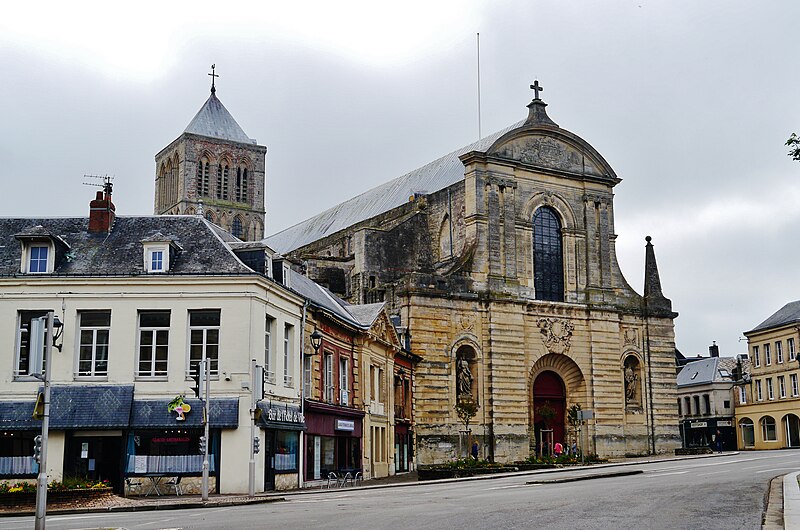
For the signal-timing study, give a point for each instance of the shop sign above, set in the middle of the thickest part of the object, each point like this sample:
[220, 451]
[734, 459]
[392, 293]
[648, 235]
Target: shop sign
[698, 424]
[345, 425]
[284, 414]
[724, 423]
[179, 407]
[170, 439]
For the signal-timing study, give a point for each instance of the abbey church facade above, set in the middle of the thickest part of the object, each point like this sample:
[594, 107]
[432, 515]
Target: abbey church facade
[498, 263]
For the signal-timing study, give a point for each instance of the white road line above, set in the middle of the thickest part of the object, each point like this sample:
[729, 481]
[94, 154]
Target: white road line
[659, 474]
[512, 486]
[714, 473]
[785, 469]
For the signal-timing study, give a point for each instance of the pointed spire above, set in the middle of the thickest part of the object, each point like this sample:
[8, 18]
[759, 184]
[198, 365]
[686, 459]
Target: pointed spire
[537, 115]
[655, 301]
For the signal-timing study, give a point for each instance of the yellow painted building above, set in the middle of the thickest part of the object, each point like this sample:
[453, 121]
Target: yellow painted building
[768, 403]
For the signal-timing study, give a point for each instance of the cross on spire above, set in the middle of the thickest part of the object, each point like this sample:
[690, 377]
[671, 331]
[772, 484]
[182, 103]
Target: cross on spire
[535, 87]
[213, 76]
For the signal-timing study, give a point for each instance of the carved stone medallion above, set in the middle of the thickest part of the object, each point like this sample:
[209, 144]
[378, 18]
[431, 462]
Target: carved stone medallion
[631, 337]
[556, 334]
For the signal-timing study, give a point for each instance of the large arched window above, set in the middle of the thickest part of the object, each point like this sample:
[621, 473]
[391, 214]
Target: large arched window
[548, 261]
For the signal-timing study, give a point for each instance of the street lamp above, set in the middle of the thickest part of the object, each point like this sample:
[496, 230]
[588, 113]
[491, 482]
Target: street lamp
[316, 341]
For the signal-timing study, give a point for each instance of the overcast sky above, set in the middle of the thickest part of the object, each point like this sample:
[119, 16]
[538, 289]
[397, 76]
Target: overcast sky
[690, 102]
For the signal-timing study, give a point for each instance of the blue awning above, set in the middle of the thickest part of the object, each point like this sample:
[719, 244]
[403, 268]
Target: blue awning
[90, 406]
[18, 416]
[153, 414]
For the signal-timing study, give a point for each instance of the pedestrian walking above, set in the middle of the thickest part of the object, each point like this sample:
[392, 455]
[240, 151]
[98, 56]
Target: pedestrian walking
[718, 440]
[475, 450]
[558, 449]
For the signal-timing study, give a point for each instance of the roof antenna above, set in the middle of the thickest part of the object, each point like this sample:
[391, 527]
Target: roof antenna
[106, 182]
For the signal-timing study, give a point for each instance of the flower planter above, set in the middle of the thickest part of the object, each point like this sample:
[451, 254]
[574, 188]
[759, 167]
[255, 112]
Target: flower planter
[23, 499]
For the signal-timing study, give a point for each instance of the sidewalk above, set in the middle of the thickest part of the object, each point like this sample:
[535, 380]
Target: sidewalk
[114, 503]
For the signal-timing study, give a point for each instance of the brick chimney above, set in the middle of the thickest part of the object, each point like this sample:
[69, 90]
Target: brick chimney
[101, 211]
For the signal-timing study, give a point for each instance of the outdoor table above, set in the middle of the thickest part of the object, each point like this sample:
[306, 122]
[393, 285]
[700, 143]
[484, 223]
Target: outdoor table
[155, 480]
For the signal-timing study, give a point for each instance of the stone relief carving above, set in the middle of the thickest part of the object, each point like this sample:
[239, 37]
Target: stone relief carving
[631, 337]
[466, 322]
[547, 152]
[557, 334]
[464, 378]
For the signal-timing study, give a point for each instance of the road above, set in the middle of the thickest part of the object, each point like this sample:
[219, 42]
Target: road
[724, 492]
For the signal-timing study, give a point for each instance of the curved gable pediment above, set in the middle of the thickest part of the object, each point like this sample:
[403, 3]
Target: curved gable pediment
[551, 148]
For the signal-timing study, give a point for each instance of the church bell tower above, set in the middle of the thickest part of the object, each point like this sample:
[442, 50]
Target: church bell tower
[215, 170]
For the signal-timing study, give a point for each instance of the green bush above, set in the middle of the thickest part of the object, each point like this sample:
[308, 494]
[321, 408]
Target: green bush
[69, 483]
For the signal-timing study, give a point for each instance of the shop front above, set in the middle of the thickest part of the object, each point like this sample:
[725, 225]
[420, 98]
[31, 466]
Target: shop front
[333, 440]
[281, 424]
[704, 434]
[403, 448]
[163, 442]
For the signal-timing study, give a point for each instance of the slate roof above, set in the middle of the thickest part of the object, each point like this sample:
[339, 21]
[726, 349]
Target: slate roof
[90, 406]
[214, 121]
[223, 413]
[200, 247]
[788, 314]
[707, 371]
[366, 313]
[18, 416]
[430, 178]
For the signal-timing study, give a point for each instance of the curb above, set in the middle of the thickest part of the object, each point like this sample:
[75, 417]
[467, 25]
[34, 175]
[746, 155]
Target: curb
[791, 501]
[587, 477]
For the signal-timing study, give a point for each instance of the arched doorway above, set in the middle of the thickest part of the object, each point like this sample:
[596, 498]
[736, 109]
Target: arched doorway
[549, 407]
[791, 424]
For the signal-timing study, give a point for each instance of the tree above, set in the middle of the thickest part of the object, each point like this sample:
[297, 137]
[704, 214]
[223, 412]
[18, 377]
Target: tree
[466, 409]
[793, 143]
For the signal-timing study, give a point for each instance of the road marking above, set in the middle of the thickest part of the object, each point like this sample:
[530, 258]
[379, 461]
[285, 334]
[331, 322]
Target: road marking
[784, 469]
[658, 474]
[714, 473]
[511, 486]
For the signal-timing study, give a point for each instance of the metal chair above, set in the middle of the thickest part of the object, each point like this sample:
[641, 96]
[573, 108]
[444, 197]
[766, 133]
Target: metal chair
[134, 484]
[175, 483]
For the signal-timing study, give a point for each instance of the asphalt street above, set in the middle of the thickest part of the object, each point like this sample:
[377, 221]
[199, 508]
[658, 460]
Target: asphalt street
[724, 492]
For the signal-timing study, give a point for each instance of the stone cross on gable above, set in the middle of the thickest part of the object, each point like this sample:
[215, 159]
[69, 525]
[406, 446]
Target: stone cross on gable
[213, 76]
[536, 89]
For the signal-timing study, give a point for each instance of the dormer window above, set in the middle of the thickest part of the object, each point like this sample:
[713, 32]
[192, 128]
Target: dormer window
[38, 258]
[156, 258]
[159, 253]
[38, 250]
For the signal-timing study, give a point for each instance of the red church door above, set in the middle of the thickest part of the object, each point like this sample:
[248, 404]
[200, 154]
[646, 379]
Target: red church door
[549, 408]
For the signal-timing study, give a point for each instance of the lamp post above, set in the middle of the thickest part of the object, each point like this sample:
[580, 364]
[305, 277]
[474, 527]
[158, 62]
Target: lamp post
[316, 341]
[41, 480]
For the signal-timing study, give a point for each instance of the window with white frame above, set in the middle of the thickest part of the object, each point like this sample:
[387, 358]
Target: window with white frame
[204, 326]
[308, 366]
[742, 396]
[781, 386]
[790, 348]
[38, 258]
[768, 431]
[156, 257]
[767, 355]
[29, 323]
[153, 343]
[288, 357]
[779, 351]
[759, 395]
[344, 387]
[269, 350]
[770, 390]
[328, 385]
[756, 357]
[795, 390]
[93, 331]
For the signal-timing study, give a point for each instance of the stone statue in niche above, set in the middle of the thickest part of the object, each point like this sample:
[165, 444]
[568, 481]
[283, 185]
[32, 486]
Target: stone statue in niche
[464, 378]
[631, 374]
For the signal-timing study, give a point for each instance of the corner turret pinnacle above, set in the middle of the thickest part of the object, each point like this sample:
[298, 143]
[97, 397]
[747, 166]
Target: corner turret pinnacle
[655, 301]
